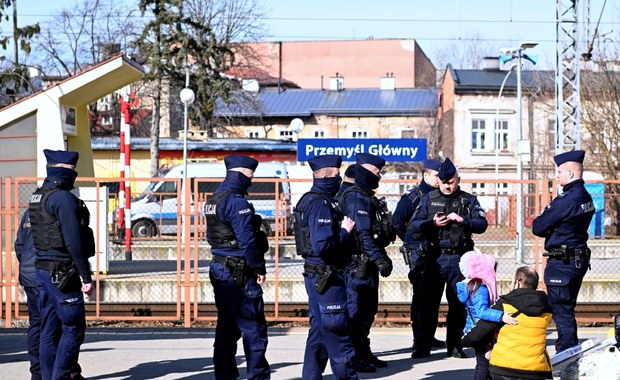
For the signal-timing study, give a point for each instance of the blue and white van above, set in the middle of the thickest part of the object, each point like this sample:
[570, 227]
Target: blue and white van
[154, 211]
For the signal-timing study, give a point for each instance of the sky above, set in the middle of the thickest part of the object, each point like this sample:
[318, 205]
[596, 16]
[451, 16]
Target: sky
[436, 25]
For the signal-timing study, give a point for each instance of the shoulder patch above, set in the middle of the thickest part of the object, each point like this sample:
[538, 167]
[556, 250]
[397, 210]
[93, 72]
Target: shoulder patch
[244, 211]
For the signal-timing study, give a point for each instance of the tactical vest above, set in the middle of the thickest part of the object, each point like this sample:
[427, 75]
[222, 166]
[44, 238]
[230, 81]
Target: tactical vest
[453, 236]
[413, 195]
[46, 232]
[219, 234]
[383, 232]
[303, 244]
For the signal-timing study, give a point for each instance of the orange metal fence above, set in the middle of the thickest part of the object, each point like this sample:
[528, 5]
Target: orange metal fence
[169, 258]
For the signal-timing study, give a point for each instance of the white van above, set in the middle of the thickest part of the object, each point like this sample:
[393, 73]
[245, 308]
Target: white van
[155, 210]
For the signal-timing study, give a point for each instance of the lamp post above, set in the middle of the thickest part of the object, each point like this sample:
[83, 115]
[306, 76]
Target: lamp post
[499, 102]
[187, 97]
[522, 146]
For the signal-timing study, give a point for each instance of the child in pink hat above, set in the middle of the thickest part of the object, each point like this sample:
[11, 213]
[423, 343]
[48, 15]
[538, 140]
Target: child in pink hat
[478, 292]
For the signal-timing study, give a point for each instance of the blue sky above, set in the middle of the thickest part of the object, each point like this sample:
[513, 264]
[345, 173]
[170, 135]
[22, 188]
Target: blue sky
[434, 24]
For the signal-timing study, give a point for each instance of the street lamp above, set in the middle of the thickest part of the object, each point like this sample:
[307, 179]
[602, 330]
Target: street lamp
[497, 141]
[187, 97]
[508, 54]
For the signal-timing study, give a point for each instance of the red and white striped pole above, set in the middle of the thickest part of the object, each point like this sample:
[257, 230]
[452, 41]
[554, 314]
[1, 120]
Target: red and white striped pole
[125, 192]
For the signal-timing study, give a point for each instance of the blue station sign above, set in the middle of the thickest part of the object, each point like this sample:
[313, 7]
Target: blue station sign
[401, 150]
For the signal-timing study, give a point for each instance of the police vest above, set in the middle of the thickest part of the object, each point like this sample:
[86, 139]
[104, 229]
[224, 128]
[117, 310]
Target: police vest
[383, 232]
[454, 235]
[46, 231]
[219, 234]
[303, 244]
[415, 194]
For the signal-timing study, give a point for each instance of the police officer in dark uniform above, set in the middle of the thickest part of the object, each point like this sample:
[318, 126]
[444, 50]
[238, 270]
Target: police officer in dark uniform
[320, 230]
[414, 248]
[26, 255]
[237, 271]
[347, 181]
[447, 218]
[564, 225]
[373, 232]
[63, 242]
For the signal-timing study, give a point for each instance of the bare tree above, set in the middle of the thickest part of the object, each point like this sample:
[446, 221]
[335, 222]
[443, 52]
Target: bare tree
[87, 34]
[600, 124]
[204, 36]
[465, 53]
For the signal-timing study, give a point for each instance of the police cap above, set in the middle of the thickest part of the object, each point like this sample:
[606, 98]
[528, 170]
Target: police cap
[574, 156]
[66, 157]
[239, 161]
[326, 161]
[431, 164]
[350, 172]
[447, 170]
[367, 158]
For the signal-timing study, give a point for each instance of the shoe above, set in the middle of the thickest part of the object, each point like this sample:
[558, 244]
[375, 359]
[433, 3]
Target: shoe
[378, 363]
[361, 365]
[457, 353]
[436, 343]
[418, 354]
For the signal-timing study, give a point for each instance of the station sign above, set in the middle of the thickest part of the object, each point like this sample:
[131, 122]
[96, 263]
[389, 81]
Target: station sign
[391, 150]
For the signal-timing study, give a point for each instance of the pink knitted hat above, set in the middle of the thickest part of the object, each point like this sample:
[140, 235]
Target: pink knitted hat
[482, 266]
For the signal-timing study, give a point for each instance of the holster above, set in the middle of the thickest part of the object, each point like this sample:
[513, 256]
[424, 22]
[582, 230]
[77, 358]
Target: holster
[64, 275]
[237, 267]
[406, 252]
[324, 280]
[361, 266]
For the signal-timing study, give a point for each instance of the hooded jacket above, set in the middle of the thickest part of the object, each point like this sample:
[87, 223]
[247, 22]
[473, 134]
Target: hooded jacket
[521, 349]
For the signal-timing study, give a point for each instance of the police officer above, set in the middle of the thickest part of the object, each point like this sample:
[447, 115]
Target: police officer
[63, 242]
[372, 233]
[26, 255]
[319, 231]
[347, 181]
[237, 271]
[414, 249]
[564, 225]
[447, 218]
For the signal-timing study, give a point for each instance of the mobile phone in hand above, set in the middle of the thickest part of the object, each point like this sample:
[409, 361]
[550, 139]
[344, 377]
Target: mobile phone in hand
[441, 214]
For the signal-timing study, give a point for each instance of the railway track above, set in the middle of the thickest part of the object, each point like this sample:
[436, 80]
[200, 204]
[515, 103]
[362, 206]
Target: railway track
[393, 312]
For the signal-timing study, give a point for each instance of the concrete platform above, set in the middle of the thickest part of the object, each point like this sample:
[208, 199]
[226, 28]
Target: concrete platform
[177, 353]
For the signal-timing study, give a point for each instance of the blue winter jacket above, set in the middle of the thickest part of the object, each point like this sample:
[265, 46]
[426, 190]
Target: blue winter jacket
[477, 305]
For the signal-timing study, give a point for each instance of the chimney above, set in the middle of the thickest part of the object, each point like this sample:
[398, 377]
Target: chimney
[388, 82]
[491, 63]
[336, 83]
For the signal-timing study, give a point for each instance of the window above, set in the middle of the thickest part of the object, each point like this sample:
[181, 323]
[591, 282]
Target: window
[501, 136]
[478, 134]
[319, 134]
[477, 188]
[253, 134]
[359, 134]
[285, 134]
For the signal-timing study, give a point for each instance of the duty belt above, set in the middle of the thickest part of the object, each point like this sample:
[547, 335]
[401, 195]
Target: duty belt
[450, 251]
[48, 265]
[229, 261]
[318, 268]
[565, 254]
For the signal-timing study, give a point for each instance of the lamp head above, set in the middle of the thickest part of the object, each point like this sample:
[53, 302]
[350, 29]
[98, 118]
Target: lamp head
[187, 96]
[528, 45]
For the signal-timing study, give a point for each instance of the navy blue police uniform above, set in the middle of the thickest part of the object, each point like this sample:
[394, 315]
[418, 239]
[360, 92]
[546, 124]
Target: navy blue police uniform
[414, 253]
[350, 173]
[319, 240]
[370, 237]
[446, 246]
[238, 249]
[26, 255]
[64, 242]
[564, 225]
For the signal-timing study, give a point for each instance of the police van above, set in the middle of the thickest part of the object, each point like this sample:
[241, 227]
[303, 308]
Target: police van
[154, 211]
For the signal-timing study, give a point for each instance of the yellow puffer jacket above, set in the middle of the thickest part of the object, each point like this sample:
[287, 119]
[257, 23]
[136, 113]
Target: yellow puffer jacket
[521, 349]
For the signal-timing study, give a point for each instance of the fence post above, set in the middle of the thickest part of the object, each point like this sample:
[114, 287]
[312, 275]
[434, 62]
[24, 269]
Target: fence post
[8, 239]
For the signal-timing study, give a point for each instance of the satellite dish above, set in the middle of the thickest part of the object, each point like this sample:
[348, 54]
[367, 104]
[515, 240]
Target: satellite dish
[297, 125]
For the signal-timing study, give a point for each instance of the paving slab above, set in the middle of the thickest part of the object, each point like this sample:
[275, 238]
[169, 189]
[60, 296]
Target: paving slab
[180, 353]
